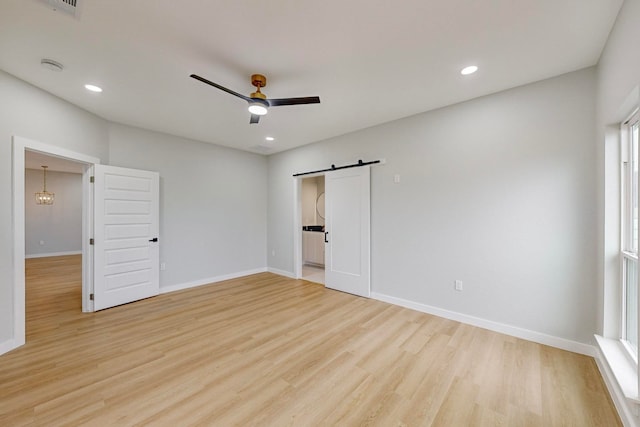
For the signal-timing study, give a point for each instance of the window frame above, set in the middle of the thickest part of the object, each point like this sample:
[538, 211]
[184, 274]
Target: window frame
[628, 235]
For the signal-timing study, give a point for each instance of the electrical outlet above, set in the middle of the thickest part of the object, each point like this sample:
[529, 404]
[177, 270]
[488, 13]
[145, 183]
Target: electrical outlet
[41, 242]
[163, 266]
[458, 285]
[273, 252]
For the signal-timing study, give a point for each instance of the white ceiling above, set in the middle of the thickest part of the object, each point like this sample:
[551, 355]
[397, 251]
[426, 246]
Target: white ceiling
[370, 61]
[35, 160]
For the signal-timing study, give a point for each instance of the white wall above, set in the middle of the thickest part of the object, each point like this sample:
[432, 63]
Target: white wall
[212, 203]
[57, 226]
[618, 79]
[311, 188]
[498, 192]
[32, 113]
[617, 94]
[309, 192]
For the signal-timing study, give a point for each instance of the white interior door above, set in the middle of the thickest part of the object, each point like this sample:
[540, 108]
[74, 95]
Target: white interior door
[347, 226]
[126, 248]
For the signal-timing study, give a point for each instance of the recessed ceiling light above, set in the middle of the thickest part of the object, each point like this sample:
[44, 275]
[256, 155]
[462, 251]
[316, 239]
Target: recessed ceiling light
[93, 88]
[469, 70]
[270, 138]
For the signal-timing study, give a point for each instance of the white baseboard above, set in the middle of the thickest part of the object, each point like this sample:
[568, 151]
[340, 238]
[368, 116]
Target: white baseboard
[281, 272]
[502, 328]
[7, 346]
[195, 283]
[53, 254]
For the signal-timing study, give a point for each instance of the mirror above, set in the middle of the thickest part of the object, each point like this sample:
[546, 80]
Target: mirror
[320, 205]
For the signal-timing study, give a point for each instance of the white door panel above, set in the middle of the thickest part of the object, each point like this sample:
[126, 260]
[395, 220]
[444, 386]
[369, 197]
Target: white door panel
[126, 220]
[126, 231]
[347, 213]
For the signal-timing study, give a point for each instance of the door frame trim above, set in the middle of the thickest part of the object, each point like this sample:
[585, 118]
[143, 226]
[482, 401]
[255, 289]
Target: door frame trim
[19, 146]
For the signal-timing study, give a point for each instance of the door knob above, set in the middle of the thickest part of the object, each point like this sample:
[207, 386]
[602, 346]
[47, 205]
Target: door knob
[155, 239]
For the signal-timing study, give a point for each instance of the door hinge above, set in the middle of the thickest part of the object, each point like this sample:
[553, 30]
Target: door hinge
[91, 241]
[91, 297]
[91, 179]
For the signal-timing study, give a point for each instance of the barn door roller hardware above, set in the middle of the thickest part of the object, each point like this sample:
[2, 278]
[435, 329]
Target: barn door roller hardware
[335, 168]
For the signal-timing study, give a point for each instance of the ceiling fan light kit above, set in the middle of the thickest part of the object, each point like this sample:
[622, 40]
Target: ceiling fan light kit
[258, 107]
[258, 102]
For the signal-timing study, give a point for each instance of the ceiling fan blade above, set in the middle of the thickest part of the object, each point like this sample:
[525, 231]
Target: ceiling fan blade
[294, 101]
[209, 82]
[254, 119]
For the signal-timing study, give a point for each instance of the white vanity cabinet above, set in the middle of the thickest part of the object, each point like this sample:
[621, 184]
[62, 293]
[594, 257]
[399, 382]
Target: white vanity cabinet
[313, 247]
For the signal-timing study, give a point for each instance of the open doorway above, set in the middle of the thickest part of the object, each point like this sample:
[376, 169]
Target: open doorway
[20, 148]
[53, 240]
[313, 226]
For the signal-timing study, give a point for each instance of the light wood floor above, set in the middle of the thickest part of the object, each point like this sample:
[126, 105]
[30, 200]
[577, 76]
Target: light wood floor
[270, 351]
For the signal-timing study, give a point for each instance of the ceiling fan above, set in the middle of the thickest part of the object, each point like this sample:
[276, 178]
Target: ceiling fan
[258, 101]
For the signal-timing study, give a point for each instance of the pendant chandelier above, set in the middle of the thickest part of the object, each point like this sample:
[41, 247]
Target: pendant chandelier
[44, 197]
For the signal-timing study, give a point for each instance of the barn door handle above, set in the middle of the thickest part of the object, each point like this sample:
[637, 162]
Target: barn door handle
[155, 239]
[325, 236]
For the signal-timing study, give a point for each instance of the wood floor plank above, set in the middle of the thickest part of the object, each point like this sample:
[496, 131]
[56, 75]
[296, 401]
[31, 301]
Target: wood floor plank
[265, 350]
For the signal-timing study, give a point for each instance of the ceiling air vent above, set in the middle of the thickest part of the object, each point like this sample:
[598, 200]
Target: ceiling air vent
[69, 7]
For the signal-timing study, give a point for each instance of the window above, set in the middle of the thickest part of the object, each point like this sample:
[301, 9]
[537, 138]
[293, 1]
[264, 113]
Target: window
[629, 252]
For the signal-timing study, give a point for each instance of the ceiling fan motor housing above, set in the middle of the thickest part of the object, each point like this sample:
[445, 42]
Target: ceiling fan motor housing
[258, 80]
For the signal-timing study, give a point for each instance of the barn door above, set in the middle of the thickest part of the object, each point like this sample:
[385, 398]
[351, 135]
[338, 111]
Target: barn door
[347, 226]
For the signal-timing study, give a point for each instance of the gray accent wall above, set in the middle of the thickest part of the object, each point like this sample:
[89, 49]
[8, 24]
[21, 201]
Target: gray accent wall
[499, 192]
[53, 229]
